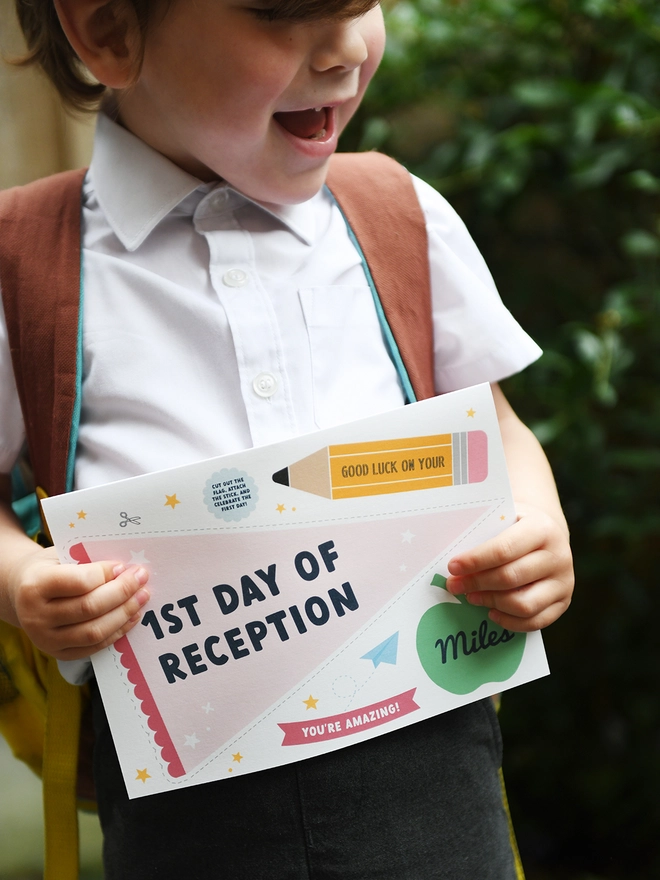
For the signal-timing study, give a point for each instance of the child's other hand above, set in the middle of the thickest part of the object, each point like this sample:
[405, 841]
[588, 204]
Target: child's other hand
[525, 574]
[72, 611]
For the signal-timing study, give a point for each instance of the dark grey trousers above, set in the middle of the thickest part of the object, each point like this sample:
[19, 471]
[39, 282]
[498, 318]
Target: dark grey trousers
[419, 803]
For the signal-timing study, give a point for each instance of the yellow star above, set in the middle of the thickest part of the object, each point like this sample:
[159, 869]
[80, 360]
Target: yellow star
[280, 508]
[172, 501]
[470, 413]
[72, 525]
[142, 775]
[311, 702]
[82, 514]
[502, 517]
[237, 757]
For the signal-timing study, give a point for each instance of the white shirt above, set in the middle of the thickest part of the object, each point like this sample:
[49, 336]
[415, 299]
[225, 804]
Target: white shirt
[213, 323]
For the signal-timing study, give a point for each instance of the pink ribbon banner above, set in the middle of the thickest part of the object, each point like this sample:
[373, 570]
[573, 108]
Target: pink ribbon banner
[298, 733]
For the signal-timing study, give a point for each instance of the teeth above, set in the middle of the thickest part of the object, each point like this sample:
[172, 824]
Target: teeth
[317, 136]
[318, 109]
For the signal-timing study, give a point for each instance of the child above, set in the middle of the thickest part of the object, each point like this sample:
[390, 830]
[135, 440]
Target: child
[226, 307]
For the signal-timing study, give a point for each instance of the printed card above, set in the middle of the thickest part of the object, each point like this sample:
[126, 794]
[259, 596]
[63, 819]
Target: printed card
[298, 600]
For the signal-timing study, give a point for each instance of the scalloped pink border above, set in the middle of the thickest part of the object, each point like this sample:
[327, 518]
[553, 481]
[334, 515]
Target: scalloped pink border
[149, 707]
[78, 553]
[141, 689]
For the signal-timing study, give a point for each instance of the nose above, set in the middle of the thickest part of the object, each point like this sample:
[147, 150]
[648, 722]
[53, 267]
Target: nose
[340, 46]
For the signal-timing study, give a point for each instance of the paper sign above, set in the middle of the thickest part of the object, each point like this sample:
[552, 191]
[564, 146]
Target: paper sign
[298, 600]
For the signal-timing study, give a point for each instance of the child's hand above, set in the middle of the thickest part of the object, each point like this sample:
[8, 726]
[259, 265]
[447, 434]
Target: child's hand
[525, 574]
[72, 611]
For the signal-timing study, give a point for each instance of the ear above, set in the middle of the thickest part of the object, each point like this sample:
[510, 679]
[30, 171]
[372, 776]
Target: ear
[106, 37]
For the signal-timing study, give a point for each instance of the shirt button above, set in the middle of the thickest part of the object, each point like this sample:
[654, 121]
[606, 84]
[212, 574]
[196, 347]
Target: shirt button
[235, 278]
[265, 384]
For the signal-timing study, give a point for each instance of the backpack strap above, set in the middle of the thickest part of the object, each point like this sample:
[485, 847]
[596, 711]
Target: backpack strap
[40, 254]
[387, 226]
[40, 282]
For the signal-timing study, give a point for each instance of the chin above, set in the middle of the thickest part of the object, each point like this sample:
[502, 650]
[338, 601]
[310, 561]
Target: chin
[300, 188]
[283, 187]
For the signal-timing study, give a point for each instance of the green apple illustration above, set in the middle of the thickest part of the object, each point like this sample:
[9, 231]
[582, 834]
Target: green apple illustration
[460, 648]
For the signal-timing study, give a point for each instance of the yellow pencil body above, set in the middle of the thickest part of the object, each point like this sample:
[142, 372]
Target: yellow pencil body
[353, 470]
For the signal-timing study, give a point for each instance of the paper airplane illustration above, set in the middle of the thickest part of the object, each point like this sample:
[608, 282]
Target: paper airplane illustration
[385, 652]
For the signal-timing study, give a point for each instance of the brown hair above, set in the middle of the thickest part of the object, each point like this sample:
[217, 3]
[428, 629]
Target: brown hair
[49, 48]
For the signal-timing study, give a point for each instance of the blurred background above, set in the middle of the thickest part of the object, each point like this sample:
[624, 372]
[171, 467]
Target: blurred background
[36, 136]
[540, 122]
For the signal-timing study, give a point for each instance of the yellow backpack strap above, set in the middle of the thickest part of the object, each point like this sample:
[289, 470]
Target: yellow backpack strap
[40, 719]
[60, 767]
[517, 861]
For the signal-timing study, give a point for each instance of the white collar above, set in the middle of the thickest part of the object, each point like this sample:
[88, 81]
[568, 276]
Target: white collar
[136, 187]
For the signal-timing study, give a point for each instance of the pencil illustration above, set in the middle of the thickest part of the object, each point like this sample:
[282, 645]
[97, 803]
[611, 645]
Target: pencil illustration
[353, 470]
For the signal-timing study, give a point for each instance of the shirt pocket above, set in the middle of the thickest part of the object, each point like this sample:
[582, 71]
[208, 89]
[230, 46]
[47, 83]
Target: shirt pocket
[352, 373]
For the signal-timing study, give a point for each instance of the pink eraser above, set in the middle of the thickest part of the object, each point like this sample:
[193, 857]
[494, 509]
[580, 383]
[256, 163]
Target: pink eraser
[477, 456]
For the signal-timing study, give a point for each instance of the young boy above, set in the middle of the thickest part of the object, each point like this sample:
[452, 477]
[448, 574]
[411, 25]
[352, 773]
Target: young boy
[226, 307]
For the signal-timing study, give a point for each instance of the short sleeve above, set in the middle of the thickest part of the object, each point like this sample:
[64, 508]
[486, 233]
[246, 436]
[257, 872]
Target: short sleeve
[12, 432]
[476, 338]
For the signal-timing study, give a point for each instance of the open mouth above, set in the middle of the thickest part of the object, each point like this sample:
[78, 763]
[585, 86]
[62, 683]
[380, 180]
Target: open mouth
[309, 124]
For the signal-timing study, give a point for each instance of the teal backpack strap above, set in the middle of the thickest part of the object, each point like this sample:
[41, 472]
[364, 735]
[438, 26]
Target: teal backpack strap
[40, 278]
[386, 224]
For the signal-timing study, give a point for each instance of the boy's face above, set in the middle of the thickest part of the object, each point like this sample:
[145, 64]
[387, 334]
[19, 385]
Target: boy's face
[225, 92]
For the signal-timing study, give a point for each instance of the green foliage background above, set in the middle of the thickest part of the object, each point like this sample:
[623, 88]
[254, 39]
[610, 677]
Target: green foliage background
[540, 121]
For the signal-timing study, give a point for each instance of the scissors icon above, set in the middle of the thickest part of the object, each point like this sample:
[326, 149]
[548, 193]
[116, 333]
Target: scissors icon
[134, 520]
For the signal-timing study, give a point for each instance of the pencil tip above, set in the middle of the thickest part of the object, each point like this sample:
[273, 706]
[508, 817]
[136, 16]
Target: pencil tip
[282, 477]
